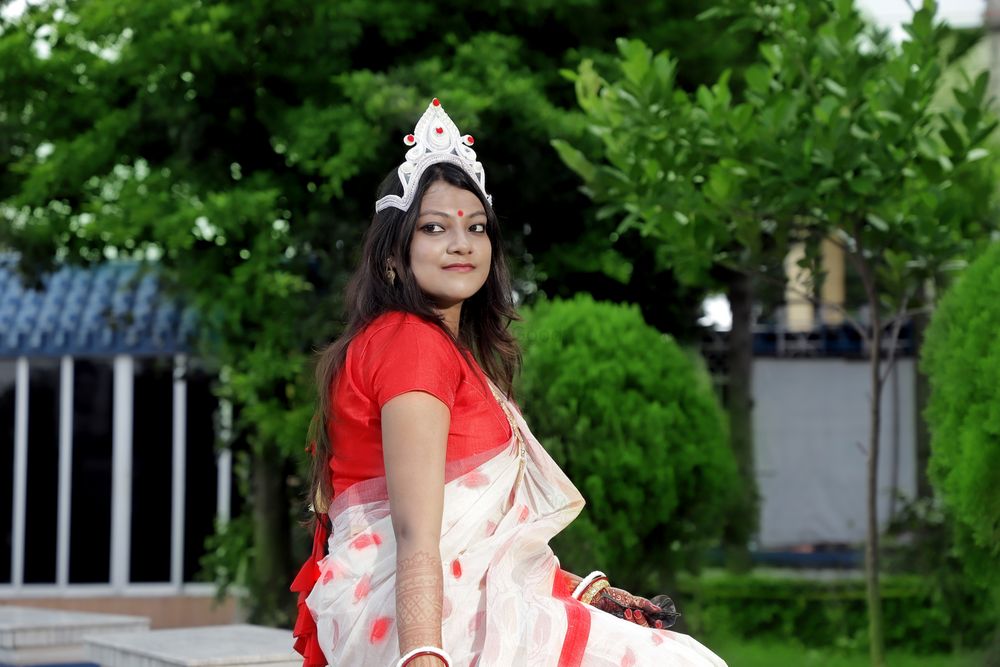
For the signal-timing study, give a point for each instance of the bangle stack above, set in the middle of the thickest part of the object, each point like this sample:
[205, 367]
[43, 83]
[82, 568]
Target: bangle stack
[590, 586]
[422, 651]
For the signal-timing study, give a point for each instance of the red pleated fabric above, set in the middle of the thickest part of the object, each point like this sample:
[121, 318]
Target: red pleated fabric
[306, 642]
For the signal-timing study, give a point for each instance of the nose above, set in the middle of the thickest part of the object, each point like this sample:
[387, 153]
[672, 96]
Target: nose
[460, 243]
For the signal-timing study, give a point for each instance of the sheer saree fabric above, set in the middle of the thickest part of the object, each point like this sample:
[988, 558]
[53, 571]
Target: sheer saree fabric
[504, 597]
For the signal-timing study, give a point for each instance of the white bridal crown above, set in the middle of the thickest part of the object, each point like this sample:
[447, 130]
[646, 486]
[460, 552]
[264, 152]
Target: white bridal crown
[434, 139]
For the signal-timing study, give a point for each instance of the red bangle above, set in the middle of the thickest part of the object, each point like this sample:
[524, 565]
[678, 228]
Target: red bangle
[420, 654]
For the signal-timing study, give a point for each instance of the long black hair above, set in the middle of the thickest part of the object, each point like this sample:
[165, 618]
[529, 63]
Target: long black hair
[483, 325]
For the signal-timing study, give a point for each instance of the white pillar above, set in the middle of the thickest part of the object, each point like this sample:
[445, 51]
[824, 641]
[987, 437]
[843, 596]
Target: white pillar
[121, 472]
[179, 463]
[20, 472]
[799, 312]
[65, 484]
[224, 467]
[833, 292]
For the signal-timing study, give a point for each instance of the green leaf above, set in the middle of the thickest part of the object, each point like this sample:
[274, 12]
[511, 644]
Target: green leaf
[877, 222]
[834, 87]
[862, 185]
[826, 108]
[889, 117]
[773, 55]
[828, 185]
[636, 59]
[859, 132]
[575, 160]
[758, 78]
[977, 154]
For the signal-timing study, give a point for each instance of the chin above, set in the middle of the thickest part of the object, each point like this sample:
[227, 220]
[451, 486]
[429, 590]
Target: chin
[455, 294]
[449, 300]
[452, 297]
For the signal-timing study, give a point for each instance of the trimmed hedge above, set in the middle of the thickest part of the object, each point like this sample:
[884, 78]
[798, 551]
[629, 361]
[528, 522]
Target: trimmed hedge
[820, 613]
[962, 359]
[636, 425]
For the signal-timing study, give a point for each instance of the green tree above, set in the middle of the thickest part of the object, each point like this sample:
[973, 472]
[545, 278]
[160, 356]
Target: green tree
[237, 147]
[835, 137]
[962, 361]
[664, 163]
[634, 422]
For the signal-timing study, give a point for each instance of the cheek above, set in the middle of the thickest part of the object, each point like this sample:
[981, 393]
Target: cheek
[419, 254]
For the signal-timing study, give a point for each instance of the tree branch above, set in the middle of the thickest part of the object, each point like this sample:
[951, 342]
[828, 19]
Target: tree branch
[897, 325]
[904, 315]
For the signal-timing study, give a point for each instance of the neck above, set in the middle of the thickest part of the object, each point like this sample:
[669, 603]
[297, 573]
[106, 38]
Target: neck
[452, 316]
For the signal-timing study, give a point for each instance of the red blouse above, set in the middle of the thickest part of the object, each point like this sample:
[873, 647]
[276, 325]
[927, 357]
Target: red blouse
[400, 352]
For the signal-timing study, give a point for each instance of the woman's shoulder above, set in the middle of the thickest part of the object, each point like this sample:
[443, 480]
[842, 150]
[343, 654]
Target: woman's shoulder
[399, 318]
[400, 352]
[396, 325]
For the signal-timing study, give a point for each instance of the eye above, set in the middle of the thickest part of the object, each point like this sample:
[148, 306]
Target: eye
[478, 227]
[427, 228]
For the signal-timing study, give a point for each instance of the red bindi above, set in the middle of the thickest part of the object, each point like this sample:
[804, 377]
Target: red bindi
[460, 213]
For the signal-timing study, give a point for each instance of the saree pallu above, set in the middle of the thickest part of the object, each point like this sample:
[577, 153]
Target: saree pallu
[505, 602]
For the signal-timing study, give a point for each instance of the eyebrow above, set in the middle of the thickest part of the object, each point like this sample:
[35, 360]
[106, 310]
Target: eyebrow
[445, 215]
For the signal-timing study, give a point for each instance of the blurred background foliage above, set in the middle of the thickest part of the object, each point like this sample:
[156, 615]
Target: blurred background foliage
[634, 421]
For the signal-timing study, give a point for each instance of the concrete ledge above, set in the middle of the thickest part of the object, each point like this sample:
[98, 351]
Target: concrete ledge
[31, 636]
[215, 646]
[192, 608]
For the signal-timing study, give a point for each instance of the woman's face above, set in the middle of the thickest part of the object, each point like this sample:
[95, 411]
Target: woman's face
[450, 252]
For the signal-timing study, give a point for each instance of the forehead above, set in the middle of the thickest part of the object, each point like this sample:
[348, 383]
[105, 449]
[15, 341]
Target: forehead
[444, 196]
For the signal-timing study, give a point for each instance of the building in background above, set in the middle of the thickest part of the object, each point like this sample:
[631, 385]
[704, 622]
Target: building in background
[110, 478]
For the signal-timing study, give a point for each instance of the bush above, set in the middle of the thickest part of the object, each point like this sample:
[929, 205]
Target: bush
[826, 613]
[962, 360]
[636, 425]
[921, 541]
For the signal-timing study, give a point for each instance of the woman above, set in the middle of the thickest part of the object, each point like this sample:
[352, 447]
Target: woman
[435, 503]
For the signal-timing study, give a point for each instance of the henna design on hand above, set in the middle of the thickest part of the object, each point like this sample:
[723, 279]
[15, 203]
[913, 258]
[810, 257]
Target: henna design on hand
[419, 591]
[636, 609]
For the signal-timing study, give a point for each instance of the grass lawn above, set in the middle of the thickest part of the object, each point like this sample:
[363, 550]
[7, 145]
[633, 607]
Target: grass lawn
[752, 654]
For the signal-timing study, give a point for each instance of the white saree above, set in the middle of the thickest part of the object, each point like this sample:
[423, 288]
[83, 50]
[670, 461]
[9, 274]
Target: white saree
[503, 602]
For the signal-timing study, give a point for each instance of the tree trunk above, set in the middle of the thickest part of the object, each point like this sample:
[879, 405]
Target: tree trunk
[271, 562]
[742, 524]
[876, 642]
[923, 392]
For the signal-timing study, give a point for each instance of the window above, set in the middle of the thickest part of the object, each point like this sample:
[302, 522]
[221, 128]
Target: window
[202, 475]
[152, 470]
[146, 518]
[90, 514]
[42, 491]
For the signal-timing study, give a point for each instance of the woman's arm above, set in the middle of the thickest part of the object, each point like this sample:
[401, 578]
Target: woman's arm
[414, 441]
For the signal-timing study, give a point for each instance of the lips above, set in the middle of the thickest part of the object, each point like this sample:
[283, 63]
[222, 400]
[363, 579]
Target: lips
[459, 267]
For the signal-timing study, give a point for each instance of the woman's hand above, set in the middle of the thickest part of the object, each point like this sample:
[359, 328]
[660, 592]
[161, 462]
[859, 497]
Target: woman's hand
[636, 609]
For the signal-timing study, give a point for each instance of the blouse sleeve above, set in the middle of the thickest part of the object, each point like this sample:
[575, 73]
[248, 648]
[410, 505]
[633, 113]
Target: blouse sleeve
[410, 356]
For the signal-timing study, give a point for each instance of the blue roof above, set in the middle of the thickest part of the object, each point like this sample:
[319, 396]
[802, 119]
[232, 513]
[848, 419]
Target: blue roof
[112, 308]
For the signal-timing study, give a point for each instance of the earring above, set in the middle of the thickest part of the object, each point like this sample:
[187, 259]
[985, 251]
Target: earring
[390, 274]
